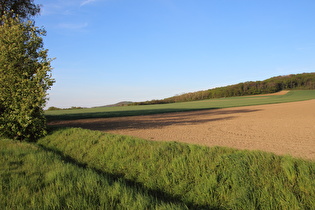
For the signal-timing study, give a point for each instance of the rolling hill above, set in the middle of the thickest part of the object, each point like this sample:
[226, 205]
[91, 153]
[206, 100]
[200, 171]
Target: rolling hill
[305, 81]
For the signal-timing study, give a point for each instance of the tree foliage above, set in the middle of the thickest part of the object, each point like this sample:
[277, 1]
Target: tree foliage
[22, 8]
[24, 79]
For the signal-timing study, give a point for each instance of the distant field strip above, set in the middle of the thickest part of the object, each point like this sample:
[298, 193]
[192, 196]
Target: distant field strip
[105, 112]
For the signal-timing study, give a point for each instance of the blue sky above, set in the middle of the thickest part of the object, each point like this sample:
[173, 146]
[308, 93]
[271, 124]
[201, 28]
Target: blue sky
[109, 51]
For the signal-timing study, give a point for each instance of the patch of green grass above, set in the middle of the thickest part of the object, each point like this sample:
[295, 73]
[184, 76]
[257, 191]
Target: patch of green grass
[199, 177]
[297, 95]
[34, 178]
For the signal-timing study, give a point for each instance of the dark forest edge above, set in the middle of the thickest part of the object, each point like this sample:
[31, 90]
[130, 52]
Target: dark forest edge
[304, 81]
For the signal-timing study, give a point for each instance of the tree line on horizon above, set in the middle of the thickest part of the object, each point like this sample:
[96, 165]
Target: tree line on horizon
[305, 81]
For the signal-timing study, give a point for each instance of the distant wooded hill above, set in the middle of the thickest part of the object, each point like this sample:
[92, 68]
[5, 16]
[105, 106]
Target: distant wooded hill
[123, 103]
[305, 81]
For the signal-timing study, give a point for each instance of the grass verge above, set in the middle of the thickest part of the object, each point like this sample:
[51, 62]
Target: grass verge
[195, 176]
[32, 177]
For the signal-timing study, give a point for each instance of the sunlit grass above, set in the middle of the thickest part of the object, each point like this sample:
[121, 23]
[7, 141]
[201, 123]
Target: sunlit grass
[32, 178]
[197, 176]
[81, 169]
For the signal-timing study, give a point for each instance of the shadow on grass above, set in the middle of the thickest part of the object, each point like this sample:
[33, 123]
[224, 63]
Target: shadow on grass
[155, 193]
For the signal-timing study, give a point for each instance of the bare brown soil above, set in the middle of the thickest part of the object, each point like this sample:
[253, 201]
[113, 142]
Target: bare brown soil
[280, 93]
[286, 128]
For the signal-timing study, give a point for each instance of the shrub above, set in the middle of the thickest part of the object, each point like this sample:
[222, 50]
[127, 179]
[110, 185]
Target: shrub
[24, 80]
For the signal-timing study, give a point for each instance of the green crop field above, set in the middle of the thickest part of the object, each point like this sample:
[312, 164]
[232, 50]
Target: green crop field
[297, 95]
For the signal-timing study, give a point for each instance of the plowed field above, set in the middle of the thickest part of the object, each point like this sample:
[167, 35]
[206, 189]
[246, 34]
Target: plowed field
[286, 128]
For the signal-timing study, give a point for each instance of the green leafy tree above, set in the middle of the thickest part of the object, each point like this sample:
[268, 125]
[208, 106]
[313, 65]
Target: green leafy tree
[24, 79]
[24, 9]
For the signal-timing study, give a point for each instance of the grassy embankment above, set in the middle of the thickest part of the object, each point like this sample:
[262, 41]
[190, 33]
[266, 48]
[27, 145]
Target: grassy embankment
[83, 169]
[298, 95]
[32, 177]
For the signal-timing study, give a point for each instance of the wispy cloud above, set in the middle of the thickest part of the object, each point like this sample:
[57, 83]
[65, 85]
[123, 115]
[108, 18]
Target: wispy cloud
[87, 2]
[73, 26]
[305, 48]
[63, 7]
[59, 7]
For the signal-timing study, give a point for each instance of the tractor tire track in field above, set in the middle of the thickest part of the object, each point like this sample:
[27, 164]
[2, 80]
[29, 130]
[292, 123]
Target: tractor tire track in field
[286, 128]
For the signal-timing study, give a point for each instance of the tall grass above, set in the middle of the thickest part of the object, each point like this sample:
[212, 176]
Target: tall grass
[199, 177]
[298, 95]
[34, 178]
